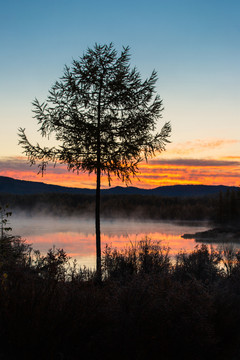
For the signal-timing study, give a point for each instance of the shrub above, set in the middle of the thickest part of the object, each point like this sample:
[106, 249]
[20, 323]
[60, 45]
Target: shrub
[201, 264]
[145, 257]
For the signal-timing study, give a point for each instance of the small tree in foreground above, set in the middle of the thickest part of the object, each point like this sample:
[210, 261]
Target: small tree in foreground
[4, 215]
[104, 117]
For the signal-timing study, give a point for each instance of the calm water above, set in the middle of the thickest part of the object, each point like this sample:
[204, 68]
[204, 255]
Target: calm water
[77, 236]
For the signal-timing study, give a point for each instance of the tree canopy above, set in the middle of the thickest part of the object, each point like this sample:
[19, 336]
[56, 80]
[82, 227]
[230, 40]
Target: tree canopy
[100, 97]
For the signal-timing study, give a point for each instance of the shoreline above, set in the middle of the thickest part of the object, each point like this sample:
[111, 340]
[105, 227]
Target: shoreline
[219, 234]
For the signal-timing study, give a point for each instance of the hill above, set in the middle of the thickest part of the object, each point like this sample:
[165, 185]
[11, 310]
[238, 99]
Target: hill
[22, 187]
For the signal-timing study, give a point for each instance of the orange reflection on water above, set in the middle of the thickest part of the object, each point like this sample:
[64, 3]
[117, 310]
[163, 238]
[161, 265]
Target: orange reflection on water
[174, 242]
[82, 246]
[44, 232]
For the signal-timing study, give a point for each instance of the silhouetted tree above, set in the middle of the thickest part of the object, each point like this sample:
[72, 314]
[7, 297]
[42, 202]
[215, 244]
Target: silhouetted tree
[105, 118]
[4, 215]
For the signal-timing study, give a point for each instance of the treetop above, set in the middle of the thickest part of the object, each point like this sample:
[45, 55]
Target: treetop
[102, 114]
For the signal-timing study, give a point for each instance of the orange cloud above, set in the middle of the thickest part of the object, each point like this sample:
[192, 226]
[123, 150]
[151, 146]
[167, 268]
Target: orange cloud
[199, 146]
[237, 158]
[158, 172]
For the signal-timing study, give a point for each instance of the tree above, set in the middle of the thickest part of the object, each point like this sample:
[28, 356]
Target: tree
[4, 214]
[104, 117]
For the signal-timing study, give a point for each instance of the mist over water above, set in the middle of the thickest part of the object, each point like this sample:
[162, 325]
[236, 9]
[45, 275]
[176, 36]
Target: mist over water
[77, 235]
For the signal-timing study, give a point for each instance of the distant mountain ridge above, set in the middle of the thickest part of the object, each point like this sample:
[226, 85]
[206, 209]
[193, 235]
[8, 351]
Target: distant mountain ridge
[22, 187]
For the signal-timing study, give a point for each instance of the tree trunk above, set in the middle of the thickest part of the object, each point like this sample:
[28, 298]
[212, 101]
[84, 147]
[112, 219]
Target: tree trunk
[98, 187]
[97, 223]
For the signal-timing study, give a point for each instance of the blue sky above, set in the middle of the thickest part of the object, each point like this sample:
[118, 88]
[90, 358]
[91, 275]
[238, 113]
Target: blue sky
[193, 45]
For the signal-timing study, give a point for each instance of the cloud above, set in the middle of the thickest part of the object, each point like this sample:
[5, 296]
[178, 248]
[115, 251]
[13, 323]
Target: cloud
[231, 158]
[199, 146]
[195, 162]
[157, 172]
[21, 163]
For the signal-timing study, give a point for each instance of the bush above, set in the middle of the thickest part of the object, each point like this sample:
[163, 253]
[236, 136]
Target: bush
[145, 307]
[145, 257]
[201, 264]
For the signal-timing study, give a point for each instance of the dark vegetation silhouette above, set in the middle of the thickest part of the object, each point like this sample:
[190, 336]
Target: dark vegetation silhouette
[9, 185]
[229, 207]
[146, 307]
[104, 117]
[222, 209]
[4, 220]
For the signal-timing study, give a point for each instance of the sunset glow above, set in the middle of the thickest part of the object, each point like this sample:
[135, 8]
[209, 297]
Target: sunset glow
[192, 47]
[93, 267]
[159, 172]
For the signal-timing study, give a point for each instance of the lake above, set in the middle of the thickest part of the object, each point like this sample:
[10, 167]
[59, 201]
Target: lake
[77, 235]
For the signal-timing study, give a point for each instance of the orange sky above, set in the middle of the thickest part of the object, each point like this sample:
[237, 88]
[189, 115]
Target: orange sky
[158, 172]
[192, 45]
[182, 163]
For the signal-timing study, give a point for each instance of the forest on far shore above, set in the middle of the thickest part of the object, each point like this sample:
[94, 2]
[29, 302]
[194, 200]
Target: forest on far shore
[221, 208]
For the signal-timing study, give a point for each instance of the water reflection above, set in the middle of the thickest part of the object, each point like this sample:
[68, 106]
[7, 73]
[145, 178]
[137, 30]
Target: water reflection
[77, 236]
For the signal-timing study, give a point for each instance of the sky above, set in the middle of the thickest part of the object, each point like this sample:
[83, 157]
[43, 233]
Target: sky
[192, 44]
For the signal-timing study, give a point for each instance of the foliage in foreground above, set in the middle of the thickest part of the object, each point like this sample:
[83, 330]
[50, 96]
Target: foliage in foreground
[146, 307]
